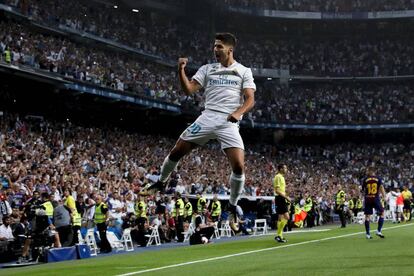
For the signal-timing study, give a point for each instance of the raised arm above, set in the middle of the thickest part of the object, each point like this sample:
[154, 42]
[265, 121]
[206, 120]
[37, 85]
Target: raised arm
[189, 86]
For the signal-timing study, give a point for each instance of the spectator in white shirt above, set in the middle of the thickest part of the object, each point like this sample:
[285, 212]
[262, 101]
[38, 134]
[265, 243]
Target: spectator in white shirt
[6, 233]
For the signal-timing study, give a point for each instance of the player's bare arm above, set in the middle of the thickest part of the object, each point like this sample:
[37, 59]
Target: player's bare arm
[189, 86]
[382, 190]
[245, 107]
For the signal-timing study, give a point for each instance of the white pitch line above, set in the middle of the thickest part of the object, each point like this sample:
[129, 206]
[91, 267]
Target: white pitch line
[272, 233]
[254, 251]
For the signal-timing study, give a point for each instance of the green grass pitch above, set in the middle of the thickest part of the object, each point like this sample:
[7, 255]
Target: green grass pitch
[333, 252]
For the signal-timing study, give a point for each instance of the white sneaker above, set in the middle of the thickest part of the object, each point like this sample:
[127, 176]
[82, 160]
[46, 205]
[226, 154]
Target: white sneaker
[379, 234]
[369, 237]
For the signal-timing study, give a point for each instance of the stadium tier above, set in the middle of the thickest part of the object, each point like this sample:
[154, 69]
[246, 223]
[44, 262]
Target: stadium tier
[311, 104]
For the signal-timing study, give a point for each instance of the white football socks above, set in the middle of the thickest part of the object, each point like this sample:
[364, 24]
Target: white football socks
[167, 167]
[236, 187]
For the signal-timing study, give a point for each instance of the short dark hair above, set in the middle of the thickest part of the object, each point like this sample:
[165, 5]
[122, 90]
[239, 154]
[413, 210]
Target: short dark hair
[227, 38]
[5, 218]
[280, 166]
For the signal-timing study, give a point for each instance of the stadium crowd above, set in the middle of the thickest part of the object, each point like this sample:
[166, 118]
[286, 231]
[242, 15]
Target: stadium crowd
[112, 70]
[324, 5]
[335, 103]
[45, 161]
[365, 103]
[385, 55]
[41, 155]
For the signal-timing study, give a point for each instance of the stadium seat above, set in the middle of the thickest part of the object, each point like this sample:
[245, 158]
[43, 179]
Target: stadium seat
[91, 242]
[80, 238]
[360, 218]
[216, 231]
[155, 236]
[225, 229]
[127, 240]
[189, 232]
[114, 241]
[260, 225]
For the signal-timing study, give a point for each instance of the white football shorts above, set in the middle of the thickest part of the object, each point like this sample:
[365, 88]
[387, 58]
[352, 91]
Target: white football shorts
[213, 125]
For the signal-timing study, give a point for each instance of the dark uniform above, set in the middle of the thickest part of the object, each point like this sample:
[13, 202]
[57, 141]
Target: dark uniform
[178, 214]
[141, 218]
[371, 188]
[215, 210]
[339, 206]
[309, 209]
[100, 220]
[188, 212]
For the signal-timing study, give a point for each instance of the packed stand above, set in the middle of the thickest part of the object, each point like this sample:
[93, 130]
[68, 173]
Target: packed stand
[346, 103]
[357, 56]
[364, 103]
[339, 57]
[112, 70]
[324, 5]
[152, 34]
[97, 174]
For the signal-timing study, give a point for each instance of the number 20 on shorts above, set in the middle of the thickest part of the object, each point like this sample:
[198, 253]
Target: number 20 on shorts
[194, 128]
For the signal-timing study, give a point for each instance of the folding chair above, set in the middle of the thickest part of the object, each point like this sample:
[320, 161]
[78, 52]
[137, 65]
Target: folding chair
[155, 236]
[91, 242]
[360, 218]
[114, 241]
[216, 231]
[225, 229]
[187, 234]
[127, 240]
[260, 225]
[81, 240]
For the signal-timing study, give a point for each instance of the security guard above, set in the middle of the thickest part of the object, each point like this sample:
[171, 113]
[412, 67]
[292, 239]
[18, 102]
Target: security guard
[76, 225]
[178, 214]
[201, 204]
[351, 208]
[215, 209]
[101, 218]
[351, 204]
[308, 208]
[358, 206]
[340, 204]
[7, 55]
[188, 212]
[141, 215]
[47, 205]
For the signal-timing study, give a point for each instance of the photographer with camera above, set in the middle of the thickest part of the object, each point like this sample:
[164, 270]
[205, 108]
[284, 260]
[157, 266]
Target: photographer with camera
[40, 234]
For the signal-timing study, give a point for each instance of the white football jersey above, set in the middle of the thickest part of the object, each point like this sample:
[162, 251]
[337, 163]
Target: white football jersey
[224, 85]
[392, 198]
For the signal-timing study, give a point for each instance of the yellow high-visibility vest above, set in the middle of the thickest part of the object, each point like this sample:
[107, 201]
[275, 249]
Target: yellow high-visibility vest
[216, 209]
[99, 216]
[48, 208]
[141, 209]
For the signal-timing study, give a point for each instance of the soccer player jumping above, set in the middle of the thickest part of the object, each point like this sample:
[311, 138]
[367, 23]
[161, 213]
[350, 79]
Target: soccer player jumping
[229, 93]
[372, 187]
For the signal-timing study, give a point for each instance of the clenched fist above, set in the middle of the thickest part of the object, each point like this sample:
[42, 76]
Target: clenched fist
[182, 62]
